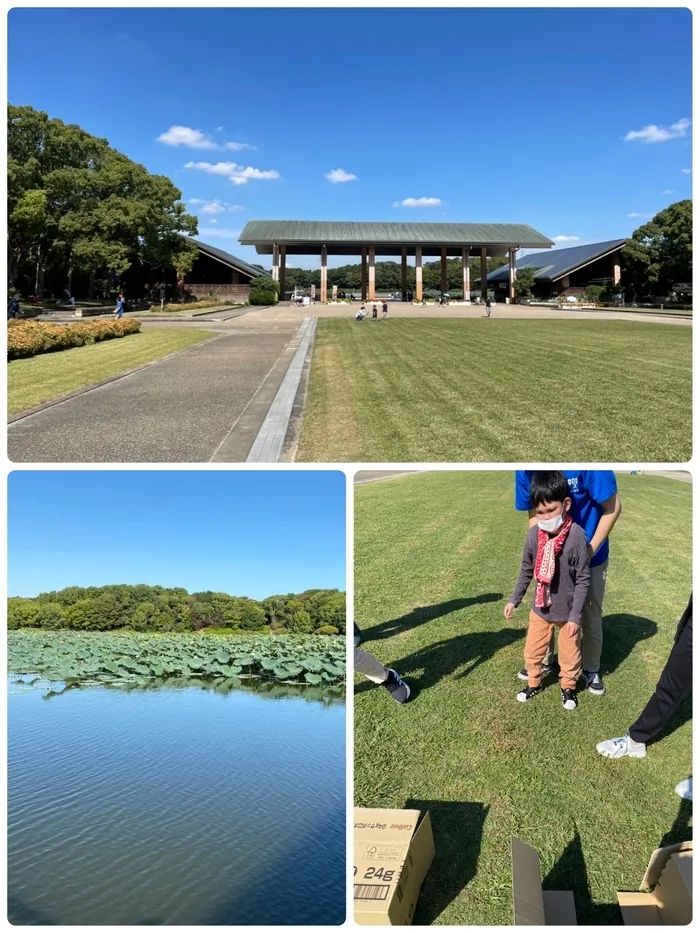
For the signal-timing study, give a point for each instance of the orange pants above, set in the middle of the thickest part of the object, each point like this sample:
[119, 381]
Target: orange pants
[539, 635]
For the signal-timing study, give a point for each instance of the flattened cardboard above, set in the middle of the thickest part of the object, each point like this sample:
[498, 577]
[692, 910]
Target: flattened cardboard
[393, 852]
[531, 905]
[671, 901]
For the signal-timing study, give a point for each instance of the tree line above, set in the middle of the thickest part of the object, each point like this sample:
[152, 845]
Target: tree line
[79, 208]
[143, 608]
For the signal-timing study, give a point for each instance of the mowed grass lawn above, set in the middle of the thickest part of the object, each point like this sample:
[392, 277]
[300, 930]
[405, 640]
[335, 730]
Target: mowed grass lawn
[403, 391]
[437, 556]
[51, 375]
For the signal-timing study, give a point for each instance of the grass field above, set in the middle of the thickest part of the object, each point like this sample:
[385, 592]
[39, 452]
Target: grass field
[51, 375]
[437, 556]
[412, 390]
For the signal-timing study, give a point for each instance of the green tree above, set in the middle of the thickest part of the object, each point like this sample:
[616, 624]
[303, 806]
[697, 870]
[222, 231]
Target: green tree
[22, 613]
[300, 622]
[524, 281]
[660, 253]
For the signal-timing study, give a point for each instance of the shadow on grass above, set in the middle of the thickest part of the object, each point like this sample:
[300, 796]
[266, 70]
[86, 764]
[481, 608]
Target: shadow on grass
[621, 633]
[458, 829]
[422, 614]
[443, 658]
[681, 831]
[570, 874]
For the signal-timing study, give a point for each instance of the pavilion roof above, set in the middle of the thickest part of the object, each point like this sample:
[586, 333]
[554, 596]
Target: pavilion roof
[316, 233]
[560, 262]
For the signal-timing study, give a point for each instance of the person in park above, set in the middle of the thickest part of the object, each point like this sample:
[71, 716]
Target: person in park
[596, 507]
[488, 307]
[119, 310]
[556, 555]
[13, 308]
[367, 665]
[375, 316]
[385, 310]
[360, 316]
[675, 685]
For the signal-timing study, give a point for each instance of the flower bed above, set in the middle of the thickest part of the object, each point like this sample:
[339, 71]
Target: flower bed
[29, 338]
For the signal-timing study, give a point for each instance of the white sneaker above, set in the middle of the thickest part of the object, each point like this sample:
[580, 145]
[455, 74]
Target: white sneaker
[685, 789]
[619, 748]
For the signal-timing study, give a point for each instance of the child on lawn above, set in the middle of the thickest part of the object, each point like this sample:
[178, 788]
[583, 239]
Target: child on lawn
[556, 554]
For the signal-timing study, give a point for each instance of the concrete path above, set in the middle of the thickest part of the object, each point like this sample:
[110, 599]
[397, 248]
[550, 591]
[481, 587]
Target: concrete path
[179, 410]
[375, 476]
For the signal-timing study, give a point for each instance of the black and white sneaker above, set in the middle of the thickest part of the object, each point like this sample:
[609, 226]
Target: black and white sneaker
[569, 699]
[546, 670]
[399, 689]
[528, 693]
[593, 683]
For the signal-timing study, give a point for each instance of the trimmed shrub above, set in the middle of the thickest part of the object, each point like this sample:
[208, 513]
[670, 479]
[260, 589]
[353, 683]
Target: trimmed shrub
[264, 291]
[29, 338]
[327, 630]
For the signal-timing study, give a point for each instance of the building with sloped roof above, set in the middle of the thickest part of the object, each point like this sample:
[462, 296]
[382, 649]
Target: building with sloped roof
[563, 272]
[216, 272]
[282, 238]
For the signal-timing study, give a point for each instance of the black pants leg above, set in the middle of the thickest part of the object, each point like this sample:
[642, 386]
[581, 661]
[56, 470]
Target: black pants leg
[674, 686]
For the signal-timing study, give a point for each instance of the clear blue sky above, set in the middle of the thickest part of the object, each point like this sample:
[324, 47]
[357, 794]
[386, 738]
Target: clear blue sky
[248, 533]
[510, 115]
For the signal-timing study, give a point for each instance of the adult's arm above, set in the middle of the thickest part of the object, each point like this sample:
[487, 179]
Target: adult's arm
[583, 578]
[612, 508]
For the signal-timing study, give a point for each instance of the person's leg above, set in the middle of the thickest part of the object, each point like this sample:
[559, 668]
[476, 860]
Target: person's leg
[569, 658]
[675, 685]
[592, 628]
[536, 642]
[368, 665]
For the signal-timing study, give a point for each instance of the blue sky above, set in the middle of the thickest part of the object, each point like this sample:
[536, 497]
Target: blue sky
[248, 533]
[504, 115]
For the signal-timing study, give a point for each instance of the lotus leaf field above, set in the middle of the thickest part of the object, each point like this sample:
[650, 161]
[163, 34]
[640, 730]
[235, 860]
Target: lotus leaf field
[76, 659]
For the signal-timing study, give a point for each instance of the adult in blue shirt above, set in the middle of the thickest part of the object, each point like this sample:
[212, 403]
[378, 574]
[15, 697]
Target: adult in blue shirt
[595, 506]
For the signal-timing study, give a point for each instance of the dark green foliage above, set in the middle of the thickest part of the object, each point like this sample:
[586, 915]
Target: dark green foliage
[524, 281]
[659, 255]
[594, 292]
[141, 608]
[264, 291]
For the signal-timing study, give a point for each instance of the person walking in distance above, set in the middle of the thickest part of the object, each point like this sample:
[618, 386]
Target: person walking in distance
[488, 307]
[119, 310]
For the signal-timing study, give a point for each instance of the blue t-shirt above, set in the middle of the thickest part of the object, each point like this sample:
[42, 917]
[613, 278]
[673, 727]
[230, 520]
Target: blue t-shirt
[588, 490]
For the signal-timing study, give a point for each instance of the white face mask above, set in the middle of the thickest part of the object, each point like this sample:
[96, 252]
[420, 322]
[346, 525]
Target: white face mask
[552, 524]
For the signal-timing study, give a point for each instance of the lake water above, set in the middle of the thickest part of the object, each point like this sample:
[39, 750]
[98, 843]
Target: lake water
[176, 805]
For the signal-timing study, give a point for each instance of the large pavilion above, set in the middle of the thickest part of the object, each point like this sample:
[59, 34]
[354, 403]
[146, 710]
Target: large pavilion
[282, 238]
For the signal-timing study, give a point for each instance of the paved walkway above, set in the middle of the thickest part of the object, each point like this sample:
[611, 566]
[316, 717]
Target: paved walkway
[180, 410]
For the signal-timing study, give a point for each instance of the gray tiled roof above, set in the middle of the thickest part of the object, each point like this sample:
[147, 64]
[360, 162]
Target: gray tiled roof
[553, 265]
[238, 264]
[408, 234]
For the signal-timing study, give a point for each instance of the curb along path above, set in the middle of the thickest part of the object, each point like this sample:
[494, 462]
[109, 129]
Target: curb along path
[268, 445]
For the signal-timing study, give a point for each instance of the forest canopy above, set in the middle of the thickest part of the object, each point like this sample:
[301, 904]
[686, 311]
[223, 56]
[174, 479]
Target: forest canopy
[142, 608]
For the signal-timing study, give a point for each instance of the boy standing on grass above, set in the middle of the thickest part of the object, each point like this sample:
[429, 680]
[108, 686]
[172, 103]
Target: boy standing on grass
[556, 554]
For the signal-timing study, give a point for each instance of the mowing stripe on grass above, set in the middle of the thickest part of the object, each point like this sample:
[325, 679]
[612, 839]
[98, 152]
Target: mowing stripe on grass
[457, 390]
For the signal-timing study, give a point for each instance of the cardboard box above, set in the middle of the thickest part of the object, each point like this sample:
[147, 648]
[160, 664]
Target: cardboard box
[393, 852]
[670, 903]
[531, 905]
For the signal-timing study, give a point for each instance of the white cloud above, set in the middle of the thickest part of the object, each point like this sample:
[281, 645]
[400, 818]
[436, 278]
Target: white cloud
[196, 139]
[219, 129]
[196, 201]
[213, 221]
[238, 174]
[636, 214]
[213, 207]
[686, 171]
[223, 232]
[566, 239]
[339, 175]
[659, 134]
[216, 206]
[668, 191]
[418, 202]
[186, 136]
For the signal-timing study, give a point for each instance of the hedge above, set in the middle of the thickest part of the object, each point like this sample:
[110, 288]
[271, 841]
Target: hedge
[29, 338]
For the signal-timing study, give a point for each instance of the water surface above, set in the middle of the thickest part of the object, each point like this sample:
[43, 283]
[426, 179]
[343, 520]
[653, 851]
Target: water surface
[176, 805]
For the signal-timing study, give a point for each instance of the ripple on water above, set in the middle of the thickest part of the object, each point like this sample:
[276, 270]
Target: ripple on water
[175, 806]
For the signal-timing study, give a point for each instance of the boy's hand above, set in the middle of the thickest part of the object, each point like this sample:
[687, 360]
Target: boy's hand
[571, 629]
[509, 610]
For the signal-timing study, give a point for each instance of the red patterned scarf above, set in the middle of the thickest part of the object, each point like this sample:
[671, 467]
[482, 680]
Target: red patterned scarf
[546, 562]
